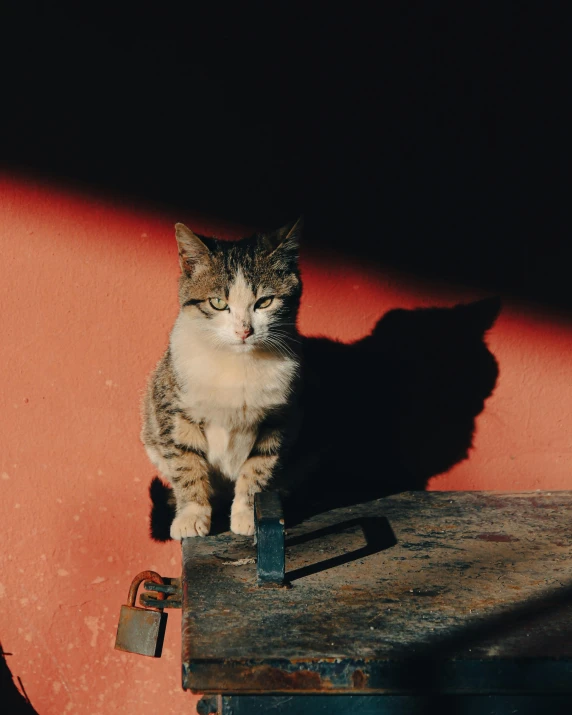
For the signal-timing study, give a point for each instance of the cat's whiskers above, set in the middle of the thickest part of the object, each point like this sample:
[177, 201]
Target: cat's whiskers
[285, 334]
[280, 346]
[284, 337]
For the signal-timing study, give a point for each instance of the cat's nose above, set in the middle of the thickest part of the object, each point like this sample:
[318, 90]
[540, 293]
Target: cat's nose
[243, 333]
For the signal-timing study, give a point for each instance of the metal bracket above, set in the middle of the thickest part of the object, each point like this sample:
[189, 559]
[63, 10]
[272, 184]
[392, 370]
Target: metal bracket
[210, 705]
[172, 590]
[269, 533]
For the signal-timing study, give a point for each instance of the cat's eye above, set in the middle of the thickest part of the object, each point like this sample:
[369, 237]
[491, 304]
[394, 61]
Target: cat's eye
[218, 303]
[264, 302]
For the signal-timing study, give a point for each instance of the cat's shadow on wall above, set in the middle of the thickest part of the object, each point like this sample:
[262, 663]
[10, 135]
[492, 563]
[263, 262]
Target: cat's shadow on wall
[384, 414]
[389, 412]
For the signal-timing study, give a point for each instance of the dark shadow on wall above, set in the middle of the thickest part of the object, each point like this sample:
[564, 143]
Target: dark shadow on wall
[389, 412]
[13, 701]
[382, 415]
[427, 136]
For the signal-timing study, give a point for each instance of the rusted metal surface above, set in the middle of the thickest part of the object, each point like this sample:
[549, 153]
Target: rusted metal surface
[162, 595]
[141, 630]
[465, 592]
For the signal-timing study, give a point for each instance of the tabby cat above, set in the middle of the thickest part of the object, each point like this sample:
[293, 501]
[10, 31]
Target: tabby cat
[222, 404]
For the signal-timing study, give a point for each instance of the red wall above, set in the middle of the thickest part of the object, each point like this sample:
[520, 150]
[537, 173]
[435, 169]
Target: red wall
[88, 295]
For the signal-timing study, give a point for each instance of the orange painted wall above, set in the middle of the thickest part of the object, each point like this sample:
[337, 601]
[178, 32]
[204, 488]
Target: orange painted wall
[88, 295]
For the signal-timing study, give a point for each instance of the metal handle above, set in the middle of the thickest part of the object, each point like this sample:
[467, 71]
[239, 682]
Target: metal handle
[269, 531]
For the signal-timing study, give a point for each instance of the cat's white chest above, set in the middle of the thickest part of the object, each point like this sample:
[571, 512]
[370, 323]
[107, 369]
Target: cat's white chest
[228, 449]
[230, 393]
[235, 390]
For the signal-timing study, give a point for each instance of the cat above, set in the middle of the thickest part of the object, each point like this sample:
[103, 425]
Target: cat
[222, 406]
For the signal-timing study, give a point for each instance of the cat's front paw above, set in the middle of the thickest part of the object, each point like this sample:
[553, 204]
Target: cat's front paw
[192, 520]
[242, 521]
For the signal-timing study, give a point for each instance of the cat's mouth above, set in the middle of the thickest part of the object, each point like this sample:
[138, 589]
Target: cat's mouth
[244, 346]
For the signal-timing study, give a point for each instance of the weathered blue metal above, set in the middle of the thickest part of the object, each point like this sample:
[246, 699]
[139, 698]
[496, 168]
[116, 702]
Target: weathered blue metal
[384, 705]
[269, 524]
[423, 593]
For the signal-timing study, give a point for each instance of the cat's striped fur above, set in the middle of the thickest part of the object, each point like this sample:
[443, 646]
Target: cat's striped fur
[222, 403]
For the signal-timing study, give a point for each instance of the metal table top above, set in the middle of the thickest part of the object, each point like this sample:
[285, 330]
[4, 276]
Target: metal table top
[449, 592]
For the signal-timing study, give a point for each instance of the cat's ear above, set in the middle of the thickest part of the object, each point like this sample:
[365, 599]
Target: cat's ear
[192, 251]
[284, 243]
[480, 315]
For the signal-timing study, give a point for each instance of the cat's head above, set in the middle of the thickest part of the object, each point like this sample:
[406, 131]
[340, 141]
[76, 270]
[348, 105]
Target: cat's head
[245, 294]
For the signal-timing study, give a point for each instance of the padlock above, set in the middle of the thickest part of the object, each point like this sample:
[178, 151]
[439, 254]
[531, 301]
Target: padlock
[141, 630]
